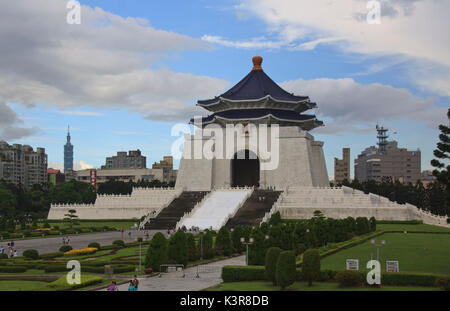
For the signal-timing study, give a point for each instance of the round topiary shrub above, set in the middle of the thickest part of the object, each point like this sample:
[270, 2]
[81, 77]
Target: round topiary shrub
[94, 244]
[271, 264]
[224, 245]
[31, 253]
[286, 269]
[349, 278]
[65, 248]
[311, 265]
[177, 249]
[119, 243]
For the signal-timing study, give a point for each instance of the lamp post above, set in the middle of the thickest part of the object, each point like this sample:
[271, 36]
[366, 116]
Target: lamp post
[383, 242]
[247, 244]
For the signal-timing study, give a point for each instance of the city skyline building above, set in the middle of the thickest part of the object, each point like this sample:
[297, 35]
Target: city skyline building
[133, 160]
[68, 153]
[388, 160]
[21, 165]
[342, 167]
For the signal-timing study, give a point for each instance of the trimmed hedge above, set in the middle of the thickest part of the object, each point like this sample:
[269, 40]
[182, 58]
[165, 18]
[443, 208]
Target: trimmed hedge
[101, 269]
[119, 243]
[401, 279]
[399, 222]
[61, 283]
[55, 268]
[257, 273]
[443, 283]
[12, 269]
[243, 273]
[95, 244]
[349, 278]
[31, 253]
[3, 256]
[65, 248]
[51, 255]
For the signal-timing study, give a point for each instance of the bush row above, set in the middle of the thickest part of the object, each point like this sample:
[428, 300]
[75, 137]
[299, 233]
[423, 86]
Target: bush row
[256, 273]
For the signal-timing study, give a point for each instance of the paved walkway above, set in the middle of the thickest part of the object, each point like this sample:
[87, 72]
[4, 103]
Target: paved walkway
[210, 275]
[52, 244]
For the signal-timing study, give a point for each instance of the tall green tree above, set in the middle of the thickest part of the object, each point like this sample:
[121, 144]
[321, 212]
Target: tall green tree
[442, 154]
[156, 252]
[178, 251]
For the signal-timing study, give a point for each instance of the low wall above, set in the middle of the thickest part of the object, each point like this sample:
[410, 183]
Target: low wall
[99, 212]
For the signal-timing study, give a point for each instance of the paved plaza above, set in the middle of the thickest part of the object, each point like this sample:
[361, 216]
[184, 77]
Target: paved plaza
[209, 275]
[52, 244]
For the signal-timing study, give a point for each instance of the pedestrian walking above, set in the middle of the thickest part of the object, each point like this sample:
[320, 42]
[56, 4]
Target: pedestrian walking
[112, 287]
[131, 287]
[136, 283]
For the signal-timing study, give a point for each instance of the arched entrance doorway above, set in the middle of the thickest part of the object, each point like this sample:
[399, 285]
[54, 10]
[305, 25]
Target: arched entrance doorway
[245, 169]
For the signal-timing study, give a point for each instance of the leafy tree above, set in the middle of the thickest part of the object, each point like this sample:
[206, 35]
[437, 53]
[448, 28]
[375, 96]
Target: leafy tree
[8, 203]
[206, 245]
[442, 154]
[275, 219]
[271, 264]
[156, 252]
[71, 218]
[286, 270]
[311, 265]
[193, 253]
[224, 245]
[257, 250]
[373, 224]
[236, 236]
[178, 251]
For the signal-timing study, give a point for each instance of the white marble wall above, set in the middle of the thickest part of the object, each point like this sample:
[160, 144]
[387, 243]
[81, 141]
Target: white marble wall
[301, 162]
[141, 202]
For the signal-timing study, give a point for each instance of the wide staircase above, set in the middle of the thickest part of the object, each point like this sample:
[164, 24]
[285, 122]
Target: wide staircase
[170, 215]
[254, 209]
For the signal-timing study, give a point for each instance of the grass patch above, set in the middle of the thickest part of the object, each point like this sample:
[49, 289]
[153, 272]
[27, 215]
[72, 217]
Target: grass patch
[21, 285]
[417, 253]
[303, 286]
[412, 228]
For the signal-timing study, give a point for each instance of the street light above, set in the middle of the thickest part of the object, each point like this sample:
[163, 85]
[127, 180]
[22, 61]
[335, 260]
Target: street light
[247, 244]
[383, 242]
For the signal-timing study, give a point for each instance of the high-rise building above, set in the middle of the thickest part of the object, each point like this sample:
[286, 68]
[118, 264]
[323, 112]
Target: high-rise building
[388, 160]
[342, 167]
[20, 164]
[134, 160]
[68, 153]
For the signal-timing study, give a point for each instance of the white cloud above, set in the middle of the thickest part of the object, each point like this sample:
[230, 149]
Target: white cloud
[82, 113]
[11, 125]
[416, 29]
[351, 106]
[105, 63]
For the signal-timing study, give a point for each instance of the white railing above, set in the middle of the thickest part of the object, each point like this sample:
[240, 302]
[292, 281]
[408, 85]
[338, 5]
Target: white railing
[196, 207]
[154, 214]
[231, 215]
[274, 207]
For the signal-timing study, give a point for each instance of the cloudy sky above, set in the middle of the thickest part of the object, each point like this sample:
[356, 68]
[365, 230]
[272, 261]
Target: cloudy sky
[132, 69]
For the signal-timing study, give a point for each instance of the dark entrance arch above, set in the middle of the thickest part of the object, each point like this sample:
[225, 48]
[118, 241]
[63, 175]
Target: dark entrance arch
[245, 169]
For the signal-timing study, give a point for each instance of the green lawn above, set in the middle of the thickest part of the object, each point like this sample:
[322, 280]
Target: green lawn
[303, 286]
[21, 285]
[416, 252]
[412, 228]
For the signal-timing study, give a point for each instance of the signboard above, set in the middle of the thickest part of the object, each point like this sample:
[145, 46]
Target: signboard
[352, 264]
[93, 178]
[392, 266]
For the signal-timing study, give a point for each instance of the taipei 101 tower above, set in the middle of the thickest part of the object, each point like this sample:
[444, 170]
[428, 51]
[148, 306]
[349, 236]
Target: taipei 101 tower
[68, 153]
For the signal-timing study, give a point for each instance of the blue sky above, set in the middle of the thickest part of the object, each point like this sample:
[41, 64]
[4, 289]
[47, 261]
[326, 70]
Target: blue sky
[132, 69]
